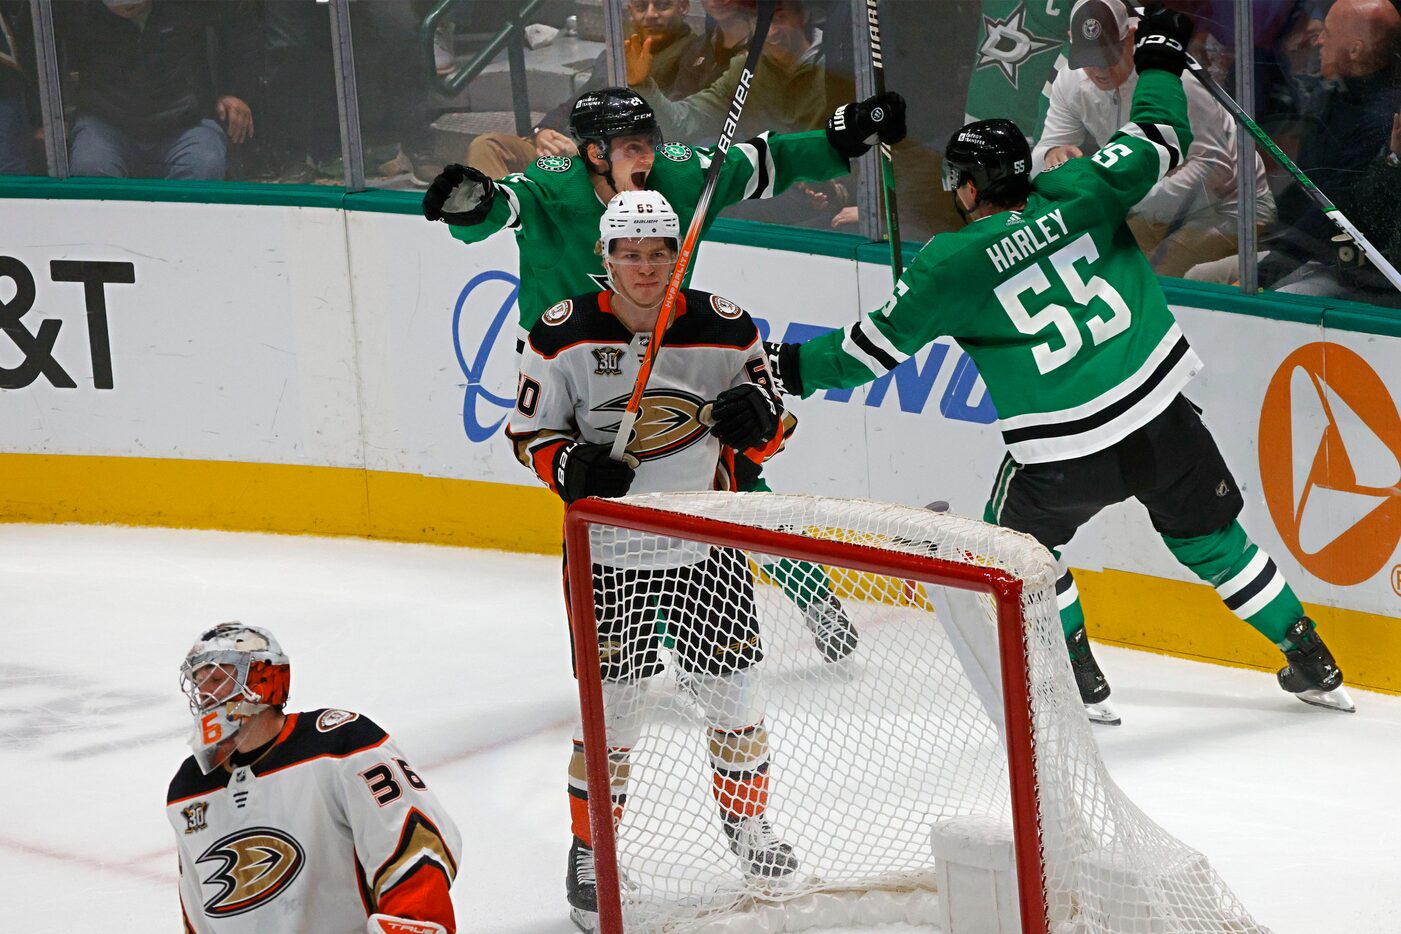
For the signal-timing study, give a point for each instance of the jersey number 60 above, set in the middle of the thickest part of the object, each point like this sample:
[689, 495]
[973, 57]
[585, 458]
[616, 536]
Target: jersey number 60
[1082, 292]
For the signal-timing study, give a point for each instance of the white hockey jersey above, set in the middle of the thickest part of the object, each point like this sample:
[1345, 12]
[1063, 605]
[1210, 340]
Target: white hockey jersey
[578, 370]
[330, 825]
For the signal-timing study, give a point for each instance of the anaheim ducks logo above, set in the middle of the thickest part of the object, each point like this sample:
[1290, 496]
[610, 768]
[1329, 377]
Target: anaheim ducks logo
[666, 423]
[252, 867]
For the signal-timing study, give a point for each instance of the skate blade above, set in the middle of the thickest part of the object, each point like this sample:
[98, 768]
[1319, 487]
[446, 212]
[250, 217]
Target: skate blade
[1337, 699]
[586, 921]
[1104, 713]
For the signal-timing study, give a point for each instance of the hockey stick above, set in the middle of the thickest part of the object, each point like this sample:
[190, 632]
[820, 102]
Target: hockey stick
[688, 246]
[1330, 210]
[887, 163]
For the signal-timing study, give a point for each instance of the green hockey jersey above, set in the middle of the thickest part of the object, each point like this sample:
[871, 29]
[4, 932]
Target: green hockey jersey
[1056, 303]
[554, 210]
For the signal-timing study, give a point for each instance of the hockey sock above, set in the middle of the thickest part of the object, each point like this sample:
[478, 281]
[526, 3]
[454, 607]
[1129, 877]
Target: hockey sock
[804, 583]
[740, 759]
[618, 767]
[1072, 616]
[1245, 578]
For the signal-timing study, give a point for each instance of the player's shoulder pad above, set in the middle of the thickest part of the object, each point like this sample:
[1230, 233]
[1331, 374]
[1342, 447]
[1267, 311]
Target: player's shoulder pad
[712, 320]
[191, 782]
[329, 732]
[572, 321]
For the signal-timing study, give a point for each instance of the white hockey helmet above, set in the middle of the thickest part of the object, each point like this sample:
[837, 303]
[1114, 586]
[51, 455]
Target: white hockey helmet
[232, 672]
[632, 215]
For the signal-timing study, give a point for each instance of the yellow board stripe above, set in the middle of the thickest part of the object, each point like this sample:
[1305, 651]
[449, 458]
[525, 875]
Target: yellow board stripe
[1134, 610]
[248, 497]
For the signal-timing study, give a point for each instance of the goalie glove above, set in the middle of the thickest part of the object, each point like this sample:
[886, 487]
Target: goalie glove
[742, 417]
[460, 195]
[854, 127]
[587, 470]
[1162, 40]
[783, 364]
[389, 924]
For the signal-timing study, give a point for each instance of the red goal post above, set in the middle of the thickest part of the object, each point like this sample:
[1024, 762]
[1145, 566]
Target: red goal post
[904, 544]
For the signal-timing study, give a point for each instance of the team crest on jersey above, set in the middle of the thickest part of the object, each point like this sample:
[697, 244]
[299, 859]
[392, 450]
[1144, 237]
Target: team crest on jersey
[666, 422]
[251, 868]
[330, 719]
[608, 358]
[194, 816]
[676, 152]
[558, 314]
[725, 308]
[554, 163]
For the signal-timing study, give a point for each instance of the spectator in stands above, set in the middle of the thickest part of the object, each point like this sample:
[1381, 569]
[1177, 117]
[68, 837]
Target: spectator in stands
[676, 56]
[148, 101]
[1190, 216]
[788, 93]
[1344, 137]
[729, 25]
[16, 113]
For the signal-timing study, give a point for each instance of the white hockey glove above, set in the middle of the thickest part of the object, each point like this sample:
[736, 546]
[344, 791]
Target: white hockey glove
[388, 924]
[460, 195]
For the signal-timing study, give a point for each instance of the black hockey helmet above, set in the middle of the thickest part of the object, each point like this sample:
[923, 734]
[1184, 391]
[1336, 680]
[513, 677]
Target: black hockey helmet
[603, 115]
[995, 155]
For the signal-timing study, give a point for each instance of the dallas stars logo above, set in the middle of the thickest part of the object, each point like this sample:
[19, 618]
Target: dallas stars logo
[1008, 44]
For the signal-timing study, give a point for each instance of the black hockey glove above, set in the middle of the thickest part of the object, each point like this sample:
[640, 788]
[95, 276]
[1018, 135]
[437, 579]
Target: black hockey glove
[1162, 40]
[783, 365]
[587, 470]
[743, 417]
[855, 126]
[459, 195]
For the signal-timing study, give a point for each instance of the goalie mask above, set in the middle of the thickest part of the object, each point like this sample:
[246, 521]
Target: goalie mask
[232, 673]
[636, 215]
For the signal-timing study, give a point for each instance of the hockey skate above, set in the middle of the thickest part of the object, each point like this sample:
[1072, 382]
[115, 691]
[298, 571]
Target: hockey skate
[1094, 689]
[581, 887]
[760, 851]
[1312, 675]
[831, 628]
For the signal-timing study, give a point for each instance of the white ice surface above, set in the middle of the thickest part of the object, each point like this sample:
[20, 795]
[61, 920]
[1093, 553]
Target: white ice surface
[463, 656]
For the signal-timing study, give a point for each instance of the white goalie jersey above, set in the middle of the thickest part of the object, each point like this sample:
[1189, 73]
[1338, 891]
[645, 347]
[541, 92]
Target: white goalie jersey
[328, 826]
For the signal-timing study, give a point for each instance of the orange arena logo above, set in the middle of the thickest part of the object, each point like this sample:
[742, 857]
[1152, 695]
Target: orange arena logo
[1330, 463]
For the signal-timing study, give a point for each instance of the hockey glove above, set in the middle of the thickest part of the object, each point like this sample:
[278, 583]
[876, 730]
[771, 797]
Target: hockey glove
[587, 470]
[855, 126]
[1162, 40]
[783, 364]
[460, 195]
[743, 417]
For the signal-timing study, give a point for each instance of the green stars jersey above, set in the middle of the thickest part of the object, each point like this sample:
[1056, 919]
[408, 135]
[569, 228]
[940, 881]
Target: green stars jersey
[1056, 303]
[554, 210]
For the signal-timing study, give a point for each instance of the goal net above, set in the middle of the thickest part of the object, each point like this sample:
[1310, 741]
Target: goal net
[823, 712]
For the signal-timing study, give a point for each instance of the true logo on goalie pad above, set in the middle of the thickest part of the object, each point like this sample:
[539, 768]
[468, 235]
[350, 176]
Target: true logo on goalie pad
[330, 719]
[251, 868]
